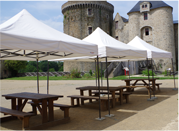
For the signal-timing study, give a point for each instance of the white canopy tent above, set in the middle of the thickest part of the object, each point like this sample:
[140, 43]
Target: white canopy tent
[23, 37]
[108, 47]
[152, 51]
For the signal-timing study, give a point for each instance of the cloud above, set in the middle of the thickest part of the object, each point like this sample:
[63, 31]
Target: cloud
[54, 24]
[46, 5]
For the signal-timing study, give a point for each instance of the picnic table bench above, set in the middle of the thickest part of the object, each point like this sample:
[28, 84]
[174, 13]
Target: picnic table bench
[104, 100]
[19, 100]
[125, 95]
[18, 114]
[156, 84]
[63, 107]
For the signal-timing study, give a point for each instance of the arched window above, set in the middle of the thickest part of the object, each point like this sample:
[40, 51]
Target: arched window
[116, 37]
[146, 31]
[142, 6]
[145, 6]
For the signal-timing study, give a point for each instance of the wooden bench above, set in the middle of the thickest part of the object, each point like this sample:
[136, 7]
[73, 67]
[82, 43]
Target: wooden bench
[125, 95]
[63, 107]
[103, 100]
[157, 84]
[19, 114]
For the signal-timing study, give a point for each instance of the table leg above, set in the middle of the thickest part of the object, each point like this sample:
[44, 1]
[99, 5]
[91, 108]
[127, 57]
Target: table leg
[113, 98]
[128, 84]
[90, 94]
[13, 103]
[153, 85]
[121, 96]
[19, 103]
[44, 111]
[50, 110]
[82, 94]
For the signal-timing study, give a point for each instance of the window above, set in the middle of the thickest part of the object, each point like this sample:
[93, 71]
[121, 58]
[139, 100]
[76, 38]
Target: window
[142, 6]
[146, 31]
[89, 30]
[107, 16]
[116, 37]
[116, 25]
[89, 11]
[145, 6]
[145, 16]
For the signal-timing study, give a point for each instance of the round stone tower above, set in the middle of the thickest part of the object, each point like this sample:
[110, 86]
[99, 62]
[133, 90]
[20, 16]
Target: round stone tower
[153, 22]
[81, 18]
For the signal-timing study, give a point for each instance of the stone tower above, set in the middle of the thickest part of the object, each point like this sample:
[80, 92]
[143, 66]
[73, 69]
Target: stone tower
[153, 22]
[81, 18]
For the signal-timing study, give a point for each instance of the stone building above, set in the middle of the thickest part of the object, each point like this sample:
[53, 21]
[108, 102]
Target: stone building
[81, 18]
[150, 20]
[153, 22]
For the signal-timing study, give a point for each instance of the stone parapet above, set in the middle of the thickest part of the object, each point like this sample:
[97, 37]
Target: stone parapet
[81, 4]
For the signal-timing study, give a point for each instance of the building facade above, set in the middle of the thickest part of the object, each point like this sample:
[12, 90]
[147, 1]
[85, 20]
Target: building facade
[81, 18]
[153, 22]
[150, 20]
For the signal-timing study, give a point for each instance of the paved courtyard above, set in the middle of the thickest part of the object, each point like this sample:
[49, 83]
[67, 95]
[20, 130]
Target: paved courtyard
[138, 114]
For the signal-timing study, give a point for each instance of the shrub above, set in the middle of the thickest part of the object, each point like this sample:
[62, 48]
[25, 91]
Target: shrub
[90, 72]
[87, 75]
[165, 73]
[51, 70]
[145, 73]
[75, 73]
[99, 72]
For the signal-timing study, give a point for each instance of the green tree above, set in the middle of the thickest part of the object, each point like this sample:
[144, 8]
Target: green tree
[14, 66]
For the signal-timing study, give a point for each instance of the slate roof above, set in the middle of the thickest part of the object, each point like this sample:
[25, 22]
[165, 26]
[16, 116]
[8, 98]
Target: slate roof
[154, 4]
[124, 19]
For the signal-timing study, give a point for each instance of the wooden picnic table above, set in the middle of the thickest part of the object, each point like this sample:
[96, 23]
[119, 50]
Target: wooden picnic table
[19, 100]
[112, 90]
[143, 80]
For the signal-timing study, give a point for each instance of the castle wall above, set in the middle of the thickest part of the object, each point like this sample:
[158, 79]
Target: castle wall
[164, 33]
[76, 23]
[161, 30]
[81, 66]
[176, 43]
[76, 18]
[122, 30]
[134, 25]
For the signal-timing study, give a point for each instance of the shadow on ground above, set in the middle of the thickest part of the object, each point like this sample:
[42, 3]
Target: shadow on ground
[83, 117]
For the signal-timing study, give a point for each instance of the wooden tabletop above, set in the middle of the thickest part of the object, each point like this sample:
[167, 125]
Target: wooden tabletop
[32, 96]
[139, 79]
[111, 88]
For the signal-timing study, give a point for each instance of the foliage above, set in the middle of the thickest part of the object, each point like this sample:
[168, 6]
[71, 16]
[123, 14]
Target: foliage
[165, 73]
[31, 66]
[75, 73]
[145, 73]
[51, 70]
[90, 72]
[96, 72]
[14, 66]
[87, 75]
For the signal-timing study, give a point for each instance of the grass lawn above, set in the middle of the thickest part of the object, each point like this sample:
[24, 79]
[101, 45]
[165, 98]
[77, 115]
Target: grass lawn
[83, 78]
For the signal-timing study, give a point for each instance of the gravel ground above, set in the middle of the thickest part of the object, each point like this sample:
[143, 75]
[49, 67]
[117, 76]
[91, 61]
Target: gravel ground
[138, 114]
